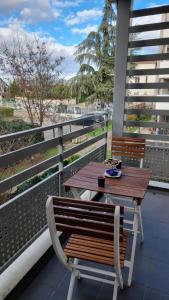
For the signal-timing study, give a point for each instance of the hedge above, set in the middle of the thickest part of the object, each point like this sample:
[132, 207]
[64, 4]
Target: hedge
[6, 111]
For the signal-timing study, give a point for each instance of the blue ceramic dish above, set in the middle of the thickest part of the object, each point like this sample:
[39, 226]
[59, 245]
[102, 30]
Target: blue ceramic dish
[112, 172]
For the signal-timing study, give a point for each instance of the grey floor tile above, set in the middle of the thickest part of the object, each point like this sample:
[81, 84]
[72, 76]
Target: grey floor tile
[37, 292]
[155, 295]
[135, 292]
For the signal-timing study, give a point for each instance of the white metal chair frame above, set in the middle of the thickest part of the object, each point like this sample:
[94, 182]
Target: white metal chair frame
[116, 278]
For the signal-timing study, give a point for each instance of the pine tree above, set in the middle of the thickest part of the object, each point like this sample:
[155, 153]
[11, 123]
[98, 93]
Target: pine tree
[95, 55]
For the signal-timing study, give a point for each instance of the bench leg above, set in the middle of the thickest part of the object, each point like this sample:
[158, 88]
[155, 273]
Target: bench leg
[140, 223]
[71, 285]
[135, 229]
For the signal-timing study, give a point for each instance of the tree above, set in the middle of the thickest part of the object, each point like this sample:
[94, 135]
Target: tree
[13, 89]
[33, 68]
[60, 91]
[96, 57]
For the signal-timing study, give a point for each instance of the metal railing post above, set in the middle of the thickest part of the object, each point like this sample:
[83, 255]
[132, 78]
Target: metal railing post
[106, 137]
[122, 37]
[60, 150]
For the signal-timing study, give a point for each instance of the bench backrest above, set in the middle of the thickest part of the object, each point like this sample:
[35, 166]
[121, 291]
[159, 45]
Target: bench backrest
[86, 218]
[128, 147]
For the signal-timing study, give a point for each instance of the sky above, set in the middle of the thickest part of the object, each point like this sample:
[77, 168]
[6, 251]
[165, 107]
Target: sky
[62, 23]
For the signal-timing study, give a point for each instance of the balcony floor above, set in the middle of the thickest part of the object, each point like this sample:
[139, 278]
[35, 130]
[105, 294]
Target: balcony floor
[151, 269]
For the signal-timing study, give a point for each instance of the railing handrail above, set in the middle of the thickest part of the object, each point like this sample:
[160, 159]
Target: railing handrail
[10, 136]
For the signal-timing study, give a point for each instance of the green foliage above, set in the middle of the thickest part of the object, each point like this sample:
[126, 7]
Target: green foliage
[143, 118]
[73, 158]
[7, 127]
[29, 183]
[50, 152]
[109, 125]
[95, 132]
[6, 112]
[96, 58]
[133, 129]
[60, 91]
[135, 117]
[14, 89]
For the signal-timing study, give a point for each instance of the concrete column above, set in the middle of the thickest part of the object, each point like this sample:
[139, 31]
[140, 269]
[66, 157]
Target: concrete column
[121, 53]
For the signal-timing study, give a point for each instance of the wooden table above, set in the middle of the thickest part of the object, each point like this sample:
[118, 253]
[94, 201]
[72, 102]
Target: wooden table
[132, 184]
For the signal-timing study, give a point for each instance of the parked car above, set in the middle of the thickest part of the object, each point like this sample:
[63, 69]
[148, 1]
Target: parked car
[93, 117]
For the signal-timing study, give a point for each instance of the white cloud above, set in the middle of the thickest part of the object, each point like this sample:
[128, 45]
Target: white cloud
[83, 16]
[7, 6]
[153, 4]
[146, 35]
[146, 20]
[30, 11]
[85, 30]
[69, 66]
[65, 4]
[41, 11]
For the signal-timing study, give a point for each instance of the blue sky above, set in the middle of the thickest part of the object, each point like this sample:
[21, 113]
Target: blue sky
[63, 23]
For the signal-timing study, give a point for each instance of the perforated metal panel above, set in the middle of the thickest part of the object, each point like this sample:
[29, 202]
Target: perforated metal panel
[23, 219]
[97, 155]
[157, 160]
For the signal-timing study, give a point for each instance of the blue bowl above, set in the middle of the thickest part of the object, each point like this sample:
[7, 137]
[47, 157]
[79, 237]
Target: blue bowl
[112, 172]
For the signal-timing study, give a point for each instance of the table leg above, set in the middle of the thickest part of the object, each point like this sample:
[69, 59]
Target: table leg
[135, 230]
[140, 223]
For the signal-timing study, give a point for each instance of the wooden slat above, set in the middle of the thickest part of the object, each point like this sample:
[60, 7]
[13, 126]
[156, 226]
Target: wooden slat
[128, 147]
[87, 215]
[128, 150]
[150, 112]
[85, 256]
[132, 155]
[28, 173]
[98, 250]
[126, 181]
[148, 57]
[86, 224]
[80, 132]
[110, 208]
[128, 144]
[133, 182]
[163, 9]
[84, 231]
[15, 156]
[83, 145]
[148, 136]
[162, 99]
[164, 125]
[72, 245]
[148, 43]
[144, 72]
[152, 85]
[149, 27]
[128, 190]
[96, 243]
[128, 140]
[81, 206]
[88, 239]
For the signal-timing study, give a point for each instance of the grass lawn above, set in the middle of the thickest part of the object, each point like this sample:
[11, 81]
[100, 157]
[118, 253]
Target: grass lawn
[50, 152]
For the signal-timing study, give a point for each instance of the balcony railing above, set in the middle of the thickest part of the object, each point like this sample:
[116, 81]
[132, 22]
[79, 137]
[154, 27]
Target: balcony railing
[22, 218]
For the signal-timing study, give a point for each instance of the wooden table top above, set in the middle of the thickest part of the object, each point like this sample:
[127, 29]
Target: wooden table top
[133, 182]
